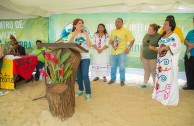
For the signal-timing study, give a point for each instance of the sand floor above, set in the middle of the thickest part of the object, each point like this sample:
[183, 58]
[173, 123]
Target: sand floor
[111, 105]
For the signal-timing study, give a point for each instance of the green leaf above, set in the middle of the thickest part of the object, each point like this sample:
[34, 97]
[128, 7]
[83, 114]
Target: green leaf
[57, 69]
[68, 74]
[54, 81]
[63, 58]
[58, 54]
[67, 65]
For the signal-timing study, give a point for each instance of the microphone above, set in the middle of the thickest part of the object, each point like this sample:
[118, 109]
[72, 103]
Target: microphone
[60, 40]
[84, 29]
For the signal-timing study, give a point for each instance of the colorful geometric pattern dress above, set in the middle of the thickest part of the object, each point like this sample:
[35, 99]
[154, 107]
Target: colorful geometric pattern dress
[166, 84]
[101, 63]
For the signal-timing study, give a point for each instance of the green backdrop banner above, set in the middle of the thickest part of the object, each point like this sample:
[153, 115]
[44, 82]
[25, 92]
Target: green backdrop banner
[26, 31]
[138, 23]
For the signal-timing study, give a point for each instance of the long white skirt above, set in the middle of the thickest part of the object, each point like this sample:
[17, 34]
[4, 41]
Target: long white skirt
[101, 64]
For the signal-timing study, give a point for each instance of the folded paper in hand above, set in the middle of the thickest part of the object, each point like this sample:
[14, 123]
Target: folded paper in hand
[188, 54]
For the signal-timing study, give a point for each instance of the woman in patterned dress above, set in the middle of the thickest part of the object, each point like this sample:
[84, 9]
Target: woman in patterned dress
[166, 83]
[100, 66]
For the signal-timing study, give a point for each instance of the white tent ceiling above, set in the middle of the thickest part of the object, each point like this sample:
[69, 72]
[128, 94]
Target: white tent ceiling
[34, 8]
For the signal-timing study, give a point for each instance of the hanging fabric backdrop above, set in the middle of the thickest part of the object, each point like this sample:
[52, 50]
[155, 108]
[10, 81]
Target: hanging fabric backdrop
[26, 31]
[60, 26]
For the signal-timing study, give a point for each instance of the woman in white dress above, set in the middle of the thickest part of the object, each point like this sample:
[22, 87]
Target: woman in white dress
[166, 84]
[100, 66]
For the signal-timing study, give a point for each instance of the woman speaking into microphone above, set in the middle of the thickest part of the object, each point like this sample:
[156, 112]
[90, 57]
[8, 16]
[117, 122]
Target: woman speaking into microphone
[81, 37]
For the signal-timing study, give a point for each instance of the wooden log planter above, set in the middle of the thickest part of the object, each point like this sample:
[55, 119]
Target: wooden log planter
[61, 97]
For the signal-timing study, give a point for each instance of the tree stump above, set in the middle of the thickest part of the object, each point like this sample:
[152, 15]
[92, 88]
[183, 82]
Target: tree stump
[61, 97]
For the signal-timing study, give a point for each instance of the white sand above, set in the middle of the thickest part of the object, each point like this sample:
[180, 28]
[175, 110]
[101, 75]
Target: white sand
[111, 105]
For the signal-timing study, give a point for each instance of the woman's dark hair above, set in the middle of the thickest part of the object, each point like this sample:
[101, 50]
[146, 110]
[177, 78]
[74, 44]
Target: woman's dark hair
[105, 32]
[155, 27]
[172, 24]
[75, 23]
[170, 17]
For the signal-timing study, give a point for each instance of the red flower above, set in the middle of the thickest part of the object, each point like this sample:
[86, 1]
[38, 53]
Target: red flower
[43, 73]
[47, 55]
[54, 59]
[61, 72]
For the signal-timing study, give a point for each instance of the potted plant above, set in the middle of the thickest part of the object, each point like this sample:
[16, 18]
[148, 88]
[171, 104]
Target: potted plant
[58, 93]
[58, 70]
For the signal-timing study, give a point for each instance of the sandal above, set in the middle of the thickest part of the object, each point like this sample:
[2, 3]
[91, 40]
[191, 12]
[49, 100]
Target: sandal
[104, 79]
[96, 78]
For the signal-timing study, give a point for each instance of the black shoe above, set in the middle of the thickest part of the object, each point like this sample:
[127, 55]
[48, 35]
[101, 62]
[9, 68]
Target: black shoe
[111, 82]
[96, 78]
[188, 88]
[31, 79]
[36, 79]
[122, 83]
